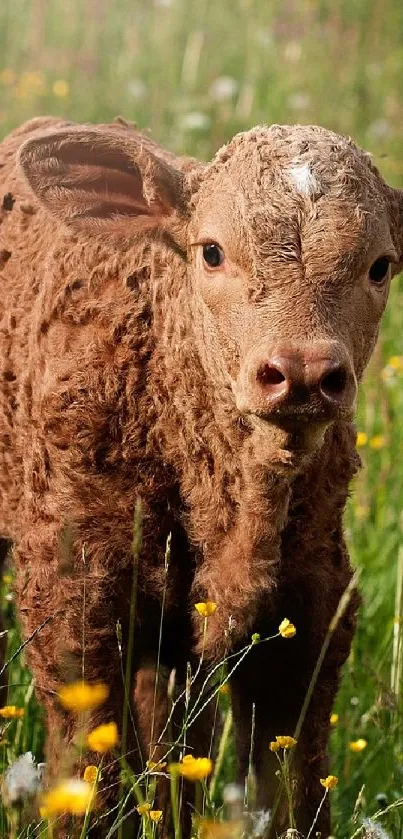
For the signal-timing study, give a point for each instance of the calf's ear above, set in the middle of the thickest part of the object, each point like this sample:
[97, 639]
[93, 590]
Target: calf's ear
[395, 206]
[95, 180]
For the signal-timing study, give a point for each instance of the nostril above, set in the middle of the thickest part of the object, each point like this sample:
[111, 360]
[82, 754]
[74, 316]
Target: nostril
[268, 375]
[334, 383]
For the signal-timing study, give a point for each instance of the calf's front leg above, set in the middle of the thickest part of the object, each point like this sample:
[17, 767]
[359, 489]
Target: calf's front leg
[271, 687]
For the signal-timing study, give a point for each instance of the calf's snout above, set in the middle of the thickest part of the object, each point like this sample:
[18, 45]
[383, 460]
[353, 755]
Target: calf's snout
[318, 376]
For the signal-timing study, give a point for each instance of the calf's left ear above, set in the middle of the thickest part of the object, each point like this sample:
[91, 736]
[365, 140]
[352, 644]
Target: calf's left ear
[98, 181]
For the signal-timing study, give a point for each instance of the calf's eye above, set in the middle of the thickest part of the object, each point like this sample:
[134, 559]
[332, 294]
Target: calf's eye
[213, 255]
[379, 271]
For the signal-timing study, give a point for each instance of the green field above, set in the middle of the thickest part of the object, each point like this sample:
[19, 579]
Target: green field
[194, 72]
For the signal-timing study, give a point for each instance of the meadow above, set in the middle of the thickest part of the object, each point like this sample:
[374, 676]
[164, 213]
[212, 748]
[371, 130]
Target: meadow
[194, 72]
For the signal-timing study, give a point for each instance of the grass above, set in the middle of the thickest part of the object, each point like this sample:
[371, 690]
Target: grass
[194, 72]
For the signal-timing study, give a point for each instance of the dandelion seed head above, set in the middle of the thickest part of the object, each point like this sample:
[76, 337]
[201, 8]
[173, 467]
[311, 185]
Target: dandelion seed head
[259, 821]
[373, 830]
[22, 780]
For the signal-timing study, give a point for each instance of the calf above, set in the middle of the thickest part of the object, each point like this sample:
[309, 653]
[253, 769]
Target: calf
[189, 336]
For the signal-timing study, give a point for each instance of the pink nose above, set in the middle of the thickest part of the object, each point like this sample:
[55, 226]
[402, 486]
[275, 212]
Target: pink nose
[290, 378]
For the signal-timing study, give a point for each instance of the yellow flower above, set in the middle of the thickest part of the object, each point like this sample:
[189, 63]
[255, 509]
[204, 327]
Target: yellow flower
[377, 442]
[11, 712]
[396, 362]
[30, 84]
[103, 738]
[83, 696]
[7, 76]
[283, 742]
[206, 608]
[362, 439]
[358, 745]
[361, 511]
[225, 689]
[334, 718]
[72, 796]
[330, 782]
[155, 815]
[90, 774]
[287, 629]
[193, 768]
[155, 766]
[210, 829]
[61, 88]
[143, 809]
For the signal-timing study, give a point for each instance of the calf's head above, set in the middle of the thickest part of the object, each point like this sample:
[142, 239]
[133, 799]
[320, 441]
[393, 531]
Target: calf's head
[289, 239]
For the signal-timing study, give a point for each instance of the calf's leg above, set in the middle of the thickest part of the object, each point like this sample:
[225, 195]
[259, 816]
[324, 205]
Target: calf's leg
[71, 614]
[271, 687]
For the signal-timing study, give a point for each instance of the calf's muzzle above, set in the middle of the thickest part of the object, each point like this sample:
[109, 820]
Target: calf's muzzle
[316, 380]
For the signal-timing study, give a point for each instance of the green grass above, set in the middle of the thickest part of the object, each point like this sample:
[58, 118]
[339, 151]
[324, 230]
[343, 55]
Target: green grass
[194, 72]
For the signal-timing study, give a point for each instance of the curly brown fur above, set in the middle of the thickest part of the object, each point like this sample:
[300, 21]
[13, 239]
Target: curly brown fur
[131, 370]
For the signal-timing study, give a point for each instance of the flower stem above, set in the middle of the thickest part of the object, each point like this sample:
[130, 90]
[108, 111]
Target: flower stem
[91, 801]
[321, 803]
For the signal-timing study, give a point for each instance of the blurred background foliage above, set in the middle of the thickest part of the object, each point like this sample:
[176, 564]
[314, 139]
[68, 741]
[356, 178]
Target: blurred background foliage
[194, 72]
[197, 71]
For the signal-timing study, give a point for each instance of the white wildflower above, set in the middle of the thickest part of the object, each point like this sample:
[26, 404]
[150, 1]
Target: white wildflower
[22, 780]
[233, 795]
[380, 129]
[374, 70]
[299, 101]
[137, 89]
[264, 37]
[195, 121]
[223, 88]
[292, 52]
[373, 830]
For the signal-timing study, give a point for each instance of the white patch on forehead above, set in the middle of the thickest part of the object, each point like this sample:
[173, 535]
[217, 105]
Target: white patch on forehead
[304, 180]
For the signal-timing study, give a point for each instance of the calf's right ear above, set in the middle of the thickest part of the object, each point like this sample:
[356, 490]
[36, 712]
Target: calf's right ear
[95, 180]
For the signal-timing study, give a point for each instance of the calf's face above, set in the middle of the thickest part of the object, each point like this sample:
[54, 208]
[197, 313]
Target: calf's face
[290, 238]
[292, 256]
